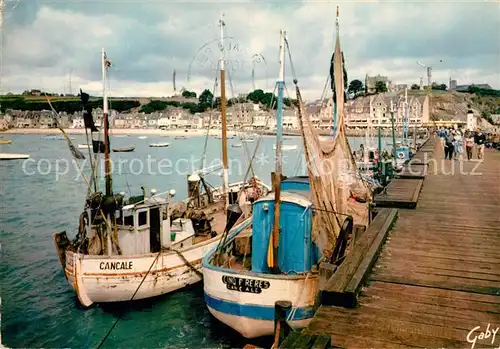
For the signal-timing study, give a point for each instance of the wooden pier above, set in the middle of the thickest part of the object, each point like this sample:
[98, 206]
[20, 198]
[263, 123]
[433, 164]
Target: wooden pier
[436, 283]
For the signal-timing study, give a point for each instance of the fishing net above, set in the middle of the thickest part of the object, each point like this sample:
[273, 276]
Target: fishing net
[337, 188]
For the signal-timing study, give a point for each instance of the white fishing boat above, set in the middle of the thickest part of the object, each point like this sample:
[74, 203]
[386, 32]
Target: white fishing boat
[148, 245]
[159, 145]
[142, 137]
[287, 147]
[275, 254]
[12, 156]
[236, 145]
[84, 146]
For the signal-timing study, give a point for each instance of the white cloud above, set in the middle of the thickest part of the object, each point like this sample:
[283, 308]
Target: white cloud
[147, 41]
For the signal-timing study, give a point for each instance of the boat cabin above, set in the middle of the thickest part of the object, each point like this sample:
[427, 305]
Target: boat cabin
[145, 227]
[296, 252]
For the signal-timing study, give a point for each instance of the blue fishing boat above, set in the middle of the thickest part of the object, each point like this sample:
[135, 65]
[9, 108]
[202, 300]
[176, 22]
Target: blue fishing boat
[275, 254]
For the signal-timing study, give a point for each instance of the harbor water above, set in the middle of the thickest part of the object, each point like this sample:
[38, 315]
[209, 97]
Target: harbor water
[45, 194]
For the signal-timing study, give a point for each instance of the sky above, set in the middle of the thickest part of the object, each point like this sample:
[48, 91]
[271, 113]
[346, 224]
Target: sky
[55, 45]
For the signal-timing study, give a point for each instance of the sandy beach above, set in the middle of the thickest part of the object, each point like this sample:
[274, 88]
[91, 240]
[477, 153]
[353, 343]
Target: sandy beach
[116, 131]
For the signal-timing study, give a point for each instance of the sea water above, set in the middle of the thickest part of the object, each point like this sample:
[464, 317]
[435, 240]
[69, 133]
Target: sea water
[45, 194]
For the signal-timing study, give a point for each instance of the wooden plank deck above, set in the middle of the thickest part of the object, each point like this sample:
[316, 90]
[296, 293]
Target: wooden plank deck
[400, 193]
[437, 281]
[410, 171]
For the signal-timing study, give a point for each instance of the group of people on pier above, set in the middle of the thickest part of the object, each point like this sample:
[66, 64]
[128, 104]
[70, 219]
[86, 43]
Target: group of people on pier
[455, 141]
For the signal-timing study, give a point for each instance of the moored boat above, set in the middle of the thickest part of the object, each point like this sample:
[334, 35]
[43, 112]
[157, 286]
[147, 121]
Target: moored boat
[159, 145]
[147, 245]
[5, 141]
[275, 254]
[12, 156]
[123, 150]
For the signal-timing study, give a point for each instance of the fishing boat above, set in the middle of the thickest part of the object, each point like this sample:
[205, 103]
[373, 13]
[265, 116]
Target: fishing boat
[236, 145]
[274, 255]
[287, 147]
[180, 137]
[146, 245]
[142, 137]
[159, 145]
[123, 150]
[83, 146]
[5, 141]
[12, 156]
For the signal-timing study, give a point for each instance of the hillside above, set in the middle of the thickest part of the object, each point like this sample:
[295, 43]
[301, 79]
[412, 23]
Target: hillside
[454, 105]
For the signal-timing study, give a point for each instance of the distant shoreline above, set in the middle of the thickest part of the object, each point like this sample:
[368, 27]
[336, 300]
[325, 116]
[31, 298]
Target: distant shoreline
[169, 133]
[115, 131]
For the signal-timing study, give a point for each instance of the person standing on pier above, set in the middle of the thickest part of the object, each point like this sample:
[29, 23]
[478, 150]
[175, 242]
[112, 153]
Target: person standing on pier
[469, 144]
[458, 145]
[480, 140]
[448, 145]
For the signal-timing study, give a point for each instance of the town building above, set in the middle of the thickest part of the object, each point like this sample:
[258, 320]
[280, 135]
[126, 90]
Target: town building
[373, 111]
[465, 88]
[371, 82]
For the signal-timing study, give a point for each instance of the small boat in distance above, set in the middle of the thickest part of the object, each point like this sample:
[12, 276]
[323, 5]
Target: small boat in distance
[83, 146]
[237, 145]
[11, 156]
[180, 137]
[58, 138]
[286, 147]
[158, 145]
[5, 141]
[142, 137]
[123, 150]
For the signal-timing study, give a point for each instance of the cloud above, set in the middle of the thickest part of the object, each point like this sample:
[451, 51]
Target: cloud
[45, 42]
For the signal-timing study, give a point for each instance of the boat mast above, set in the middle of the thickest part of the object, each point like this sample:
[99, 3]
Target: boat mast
[405, 120]
[393, 134]
[107, 163]
[334, 131]
[279, 142]
[225, 179]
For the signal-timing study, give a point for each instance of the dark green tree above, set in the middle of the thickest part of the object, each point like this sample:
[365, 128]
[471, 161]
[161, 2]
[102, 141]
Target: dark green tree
[355, 87]
[205, 100]
[380, 87]
[256, 96]
[188, 94]
[415, 87]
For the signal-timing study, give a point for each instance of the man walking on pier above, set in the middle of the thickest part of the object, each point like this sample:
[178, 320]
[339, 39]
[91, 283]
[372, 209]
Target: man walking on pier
[480, 140]
[448, 145]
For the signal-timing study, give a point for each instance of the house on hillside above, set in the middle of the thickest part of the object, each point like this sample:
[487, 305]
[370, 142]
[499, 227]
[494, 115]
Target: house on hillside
[374, 111]
[263, 120]
[371, 82]
[78, 122]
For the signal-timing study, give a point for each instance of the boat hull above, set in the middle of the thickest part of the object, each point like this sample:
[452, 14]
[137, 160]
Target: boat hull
[234, 299]
[102, 279]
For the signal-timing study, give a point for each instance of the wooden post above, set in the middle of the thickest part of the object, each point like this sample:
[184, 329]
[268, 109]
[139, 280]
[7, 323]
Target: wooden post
[281, 328]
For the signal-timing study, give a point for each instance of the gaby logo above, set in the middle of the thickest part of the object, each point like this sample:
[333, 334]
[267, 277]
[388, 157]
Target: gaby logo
[476, 334]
